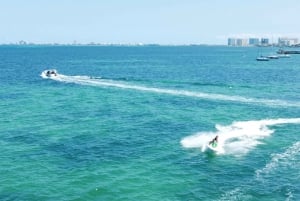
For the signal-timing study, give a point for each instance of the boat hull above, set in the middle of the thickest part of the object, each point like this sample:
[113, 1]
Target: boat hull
[262, 59]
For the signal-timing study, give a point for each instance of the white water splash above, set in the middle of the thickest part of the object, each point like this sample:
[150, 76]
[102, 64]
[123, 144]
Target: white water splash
[239, 137]
[286, 158]
[85, 80]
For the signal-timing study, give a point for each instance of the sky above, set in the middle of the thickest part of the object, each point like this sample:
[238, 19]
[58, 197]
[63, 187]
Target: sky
[147, 22]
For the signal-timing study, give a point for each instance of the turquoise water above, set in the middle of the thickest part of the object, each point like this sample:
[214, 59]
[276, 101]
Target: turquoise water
[130, 123]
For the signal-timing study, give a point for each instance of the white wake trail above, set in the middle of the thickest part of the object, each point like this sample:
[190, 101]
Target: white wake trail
[285, 162]
[85, 80]
[239, 137]
[287, 158]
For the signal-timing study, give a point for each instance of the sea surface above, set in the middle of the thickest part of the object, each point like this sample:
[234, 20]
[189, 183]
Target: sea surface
[131, 123]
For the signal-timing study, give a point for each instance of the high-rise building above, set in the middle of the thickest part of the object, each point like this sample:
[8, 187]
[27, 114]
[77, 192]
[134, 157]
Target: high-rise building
[253, 41]
[264, 41]
[232, 41]
[22, 42]
[287, 41]
[242, 42]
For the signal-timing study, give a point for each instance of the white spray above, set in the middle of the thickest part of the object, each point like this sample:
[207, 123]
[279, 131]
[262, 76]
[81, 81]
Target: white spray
[239, 137]
[86, 80]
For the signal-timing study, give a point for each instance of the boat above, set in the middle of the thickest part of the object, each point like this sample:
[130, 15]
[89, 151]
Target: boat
[273, 57]
[284, 56]
[49, 73]
[262, 58]
[281, 51]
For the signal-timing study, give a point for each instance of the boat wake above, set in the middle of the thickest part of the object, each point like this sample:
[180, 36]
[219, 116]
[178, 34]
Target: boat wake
[286, 162]
[285, 159]
[239, 137]
[86, 80]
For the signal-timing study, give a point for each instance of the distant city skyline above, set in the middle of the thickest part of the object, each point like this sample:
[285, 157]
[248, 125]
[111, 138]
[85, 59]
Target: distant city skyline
[152, 22]
[282, 41]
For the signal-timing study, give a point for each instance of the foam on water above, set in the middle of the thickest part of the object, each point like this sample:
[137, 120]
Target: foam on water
[288, 159]
[281, 159]
[43, 75]
[239, 137]
[235, 194]
[86, 80]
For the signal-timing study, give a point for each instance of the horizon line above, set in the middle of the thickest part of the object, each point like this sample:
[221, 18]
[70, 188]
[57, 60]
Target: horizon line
[108, 44]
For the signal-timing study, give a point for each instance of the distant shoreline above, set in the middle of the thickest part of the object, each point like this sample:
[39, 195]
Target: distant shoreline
[110, 45]
[136, 45]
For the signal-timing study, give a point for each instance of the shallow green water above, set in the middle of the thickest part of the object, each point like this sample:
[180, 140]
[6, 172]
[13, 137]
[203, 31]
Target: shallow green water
[129, 123]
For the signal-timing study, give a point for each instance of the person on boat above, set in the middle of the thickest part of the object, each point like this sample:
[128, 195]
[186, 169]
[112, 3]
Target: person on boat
[214, 142]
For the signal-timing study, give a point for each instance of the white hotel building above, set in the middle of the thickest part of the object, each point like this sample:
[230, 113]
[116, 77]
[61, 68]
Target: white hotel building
[238, 41]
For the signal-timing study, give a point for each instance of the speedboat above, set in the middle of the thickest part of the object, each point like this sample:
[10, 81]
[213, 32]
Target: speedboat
[50, 73]
[262, 58]
[273, 57]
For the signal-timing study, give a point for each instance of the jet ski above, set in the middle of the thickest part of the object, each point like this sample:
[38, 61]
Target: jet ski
[213, 146]
[49, 73]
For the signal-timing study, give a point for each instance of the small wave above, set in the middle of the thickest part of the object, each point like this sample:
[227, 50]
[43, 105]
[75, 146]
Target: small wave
[286, 158]
[239, 137]
[86, 80]
[235, 194]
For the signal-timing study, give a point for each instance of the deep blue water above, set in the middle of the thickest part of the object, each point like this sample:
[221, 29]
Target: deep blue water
[130, 123]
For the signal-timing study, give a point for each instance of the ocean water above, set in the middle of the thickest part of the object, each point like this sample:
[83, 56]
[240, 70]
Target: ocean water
[130, 123]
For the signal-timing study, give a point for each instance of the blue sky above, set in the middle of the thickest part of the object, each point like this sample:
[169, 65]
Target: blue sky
[152, 21]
